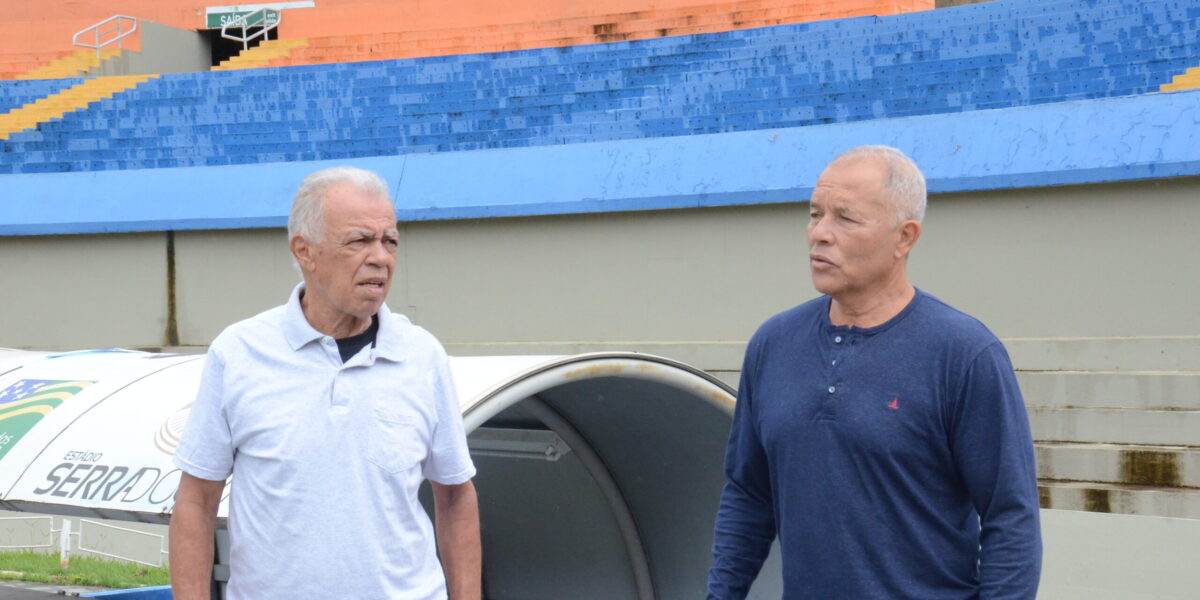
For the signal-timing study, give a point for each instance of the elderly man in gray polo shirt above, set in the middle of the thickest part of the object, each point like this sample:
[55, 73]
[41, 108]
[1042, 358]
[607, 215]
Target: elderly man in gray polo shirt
[328, 412]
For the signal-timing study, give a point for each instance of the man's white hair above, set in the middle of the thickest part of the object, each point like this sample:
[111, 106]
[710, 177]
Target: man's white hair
[904, 186]
[305, 219]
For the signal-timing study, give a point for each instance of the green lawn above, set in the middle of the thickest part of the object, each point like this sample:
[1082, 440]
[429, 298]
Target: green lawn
[84, 570]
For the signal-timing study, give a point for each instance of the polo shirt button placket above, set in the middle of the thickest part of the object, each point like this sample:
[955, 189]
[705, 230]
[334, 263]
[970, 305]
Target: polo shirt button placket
[338, 400]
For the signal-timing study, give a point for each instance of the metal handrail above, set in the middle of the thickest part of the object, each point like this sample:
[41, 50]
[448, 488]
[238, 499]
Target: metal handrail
[96, 31]
[243, 23]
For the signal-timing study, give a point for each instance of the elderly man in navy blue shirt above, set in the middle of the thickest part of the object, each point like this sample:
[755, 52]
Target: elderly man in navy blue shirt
[879, 433]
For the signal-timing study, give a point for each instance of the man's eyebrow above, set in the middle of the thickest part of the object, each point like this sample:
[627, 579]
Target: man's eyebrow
[370, 235]
[355, 233]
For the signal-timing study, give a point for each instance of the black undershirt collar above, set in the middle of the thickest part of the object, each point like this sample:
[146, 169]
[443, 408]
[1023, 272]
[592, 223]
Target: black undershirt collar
[349, 346]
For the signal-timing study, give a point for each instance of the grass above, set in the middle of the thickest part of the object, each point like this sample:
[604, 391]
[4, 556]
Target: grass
[84, 570]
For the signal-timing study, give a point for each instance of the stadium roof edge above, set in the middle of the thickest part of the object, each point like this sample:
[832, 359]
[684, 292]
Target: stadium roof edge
[1090, 141]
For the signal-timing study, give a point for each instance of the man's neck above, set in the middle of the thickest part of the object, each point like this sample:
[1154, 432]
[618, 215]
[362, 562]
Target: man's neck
[871, 309]
[331, 322]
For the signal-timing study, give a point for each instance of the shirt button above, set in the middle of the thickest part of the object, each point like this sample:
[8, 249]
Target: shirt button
[837, 340]
[832, 389]
[835, 362]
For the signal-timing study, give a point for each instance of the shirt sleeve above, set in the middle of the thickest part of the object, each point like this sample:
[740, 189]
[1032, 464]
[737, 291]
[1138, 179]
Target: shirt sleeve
[745, 525]
[206, 448]
[449, 461]
[993, 452]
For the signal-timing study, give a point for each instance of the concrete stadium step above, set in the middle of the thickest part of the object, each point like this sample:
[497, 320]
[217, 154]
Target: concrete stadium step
[592, 26]
[579, 30]
[75, 64]
[13, 65]
[1120, 499]
[1174, 353]
[1188, 80]
[1120, 464]
[68, 100]
[261, 55]
[370, 19]
[1147, 390]
[1116, 426]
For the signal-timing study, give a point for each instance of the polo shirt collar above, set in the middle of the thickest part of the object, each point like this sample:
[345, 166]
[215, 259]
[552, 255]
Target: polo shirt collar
[389, 341]
[299, 332]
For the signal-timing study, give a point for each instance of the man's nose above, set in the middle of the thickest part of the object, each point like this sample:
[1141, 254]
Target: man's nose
[819, 232]
[379, 254]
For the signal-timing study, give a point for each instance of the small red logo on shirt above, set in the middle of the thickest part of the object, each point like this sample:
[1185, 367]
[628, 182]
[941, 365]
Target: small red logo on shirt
[895, 403]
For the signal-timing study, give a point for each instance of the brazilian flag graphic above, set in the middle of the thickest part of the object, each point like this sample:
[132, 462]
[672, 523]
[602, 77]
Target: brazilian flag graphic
[25, 402]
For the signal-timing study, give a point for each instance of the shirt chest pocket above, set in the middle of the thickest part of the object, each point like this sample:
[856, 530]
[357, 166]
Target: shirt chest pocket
[397, 442]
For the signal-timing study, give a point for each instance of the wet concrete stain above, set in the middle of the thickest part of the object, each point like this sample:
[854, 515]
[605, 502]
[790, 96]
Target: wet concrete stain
[1096, 501]
[1147, 467]
[171, 335]
[1044, 497]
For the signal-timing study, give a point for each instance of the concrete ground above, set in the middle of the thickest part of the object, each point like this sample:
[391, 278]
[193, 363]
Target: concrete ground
[27, 590]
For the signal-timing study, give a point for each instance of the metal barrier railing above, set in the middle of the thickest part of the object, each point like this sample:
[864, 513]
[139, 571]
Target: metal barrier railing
[48, 544]
[98, 30]
[267, 18]
[162, 543]
[66, 532]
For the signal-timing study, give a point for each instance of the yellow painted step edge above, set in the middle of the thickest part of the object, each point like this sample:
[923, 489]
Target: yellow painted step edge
[45, 110]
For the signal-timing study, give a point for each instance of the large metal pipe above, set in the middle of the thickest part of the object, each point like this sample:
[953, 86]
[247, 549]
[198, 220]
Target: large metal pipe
[625, 514]
[604, 480]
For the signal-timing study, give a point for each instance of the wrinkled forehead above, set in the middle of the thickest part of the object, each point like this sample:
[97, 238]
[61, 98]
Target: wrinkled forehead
[857, 180]
[350, 207]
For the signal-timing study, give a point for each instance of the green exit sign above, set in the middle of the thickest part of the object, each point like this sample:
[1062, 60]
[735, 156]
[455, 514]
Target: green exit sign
[217, 20]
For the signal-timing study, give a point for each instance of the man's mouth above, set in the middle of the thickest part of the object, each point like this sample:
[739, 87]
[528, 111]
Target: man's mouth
[818, 260]
[374, 282]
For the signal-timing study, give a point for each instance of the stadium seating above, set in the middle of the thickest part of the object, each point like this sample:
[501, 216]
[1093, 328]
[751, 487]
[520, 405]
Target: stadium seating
[993, 55]
[585, 29]
[14, 94]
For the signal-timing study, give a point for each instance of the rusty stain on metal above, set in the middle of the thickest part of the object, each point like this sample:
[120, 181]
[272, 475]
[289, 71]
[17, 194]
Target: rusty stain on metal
[1096, 501]
[1147, 467]
[600, 370]
[717, 395]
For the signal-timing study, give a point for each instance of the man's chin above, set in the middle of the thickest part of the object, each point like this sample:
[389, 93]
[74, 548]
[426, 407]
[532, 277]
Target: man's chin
[367, 307]
[824, 285]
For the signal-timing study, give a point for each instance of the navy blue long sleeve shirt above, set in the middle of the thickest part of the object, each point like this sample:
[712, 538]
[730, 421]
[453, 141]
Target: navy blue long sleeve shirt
[892, 462]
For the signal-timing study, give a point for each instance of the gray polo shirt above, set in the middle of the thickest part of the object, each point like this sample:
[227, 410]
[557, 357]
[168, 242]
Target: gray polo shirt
[326, 457]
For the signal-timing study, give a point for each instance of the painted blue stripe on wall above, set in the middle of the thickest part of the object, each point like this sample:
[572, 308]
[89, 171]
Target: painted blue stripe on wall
[1115, 139]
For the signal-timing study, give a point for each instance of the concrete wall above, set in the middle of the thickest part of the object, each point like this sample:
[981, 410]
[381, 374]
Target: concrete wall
[1118, 557]
[1105, 260]
[85, 291]
[163, 50]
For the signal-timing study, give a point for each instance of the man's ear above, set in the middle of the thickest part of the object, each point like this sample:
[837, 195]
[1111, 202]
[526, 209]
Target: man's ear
[910, 232]
[302, 251]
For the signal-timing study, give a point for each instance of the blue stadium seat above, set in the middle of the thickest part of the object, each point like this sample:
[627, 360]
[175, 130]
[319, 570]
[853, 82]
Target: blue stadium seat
[992, 55]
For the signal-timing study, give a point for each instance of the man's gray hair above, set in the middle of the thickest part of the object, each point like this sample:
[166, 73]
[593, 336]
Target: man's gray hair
[305, 219]
[905, 185]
